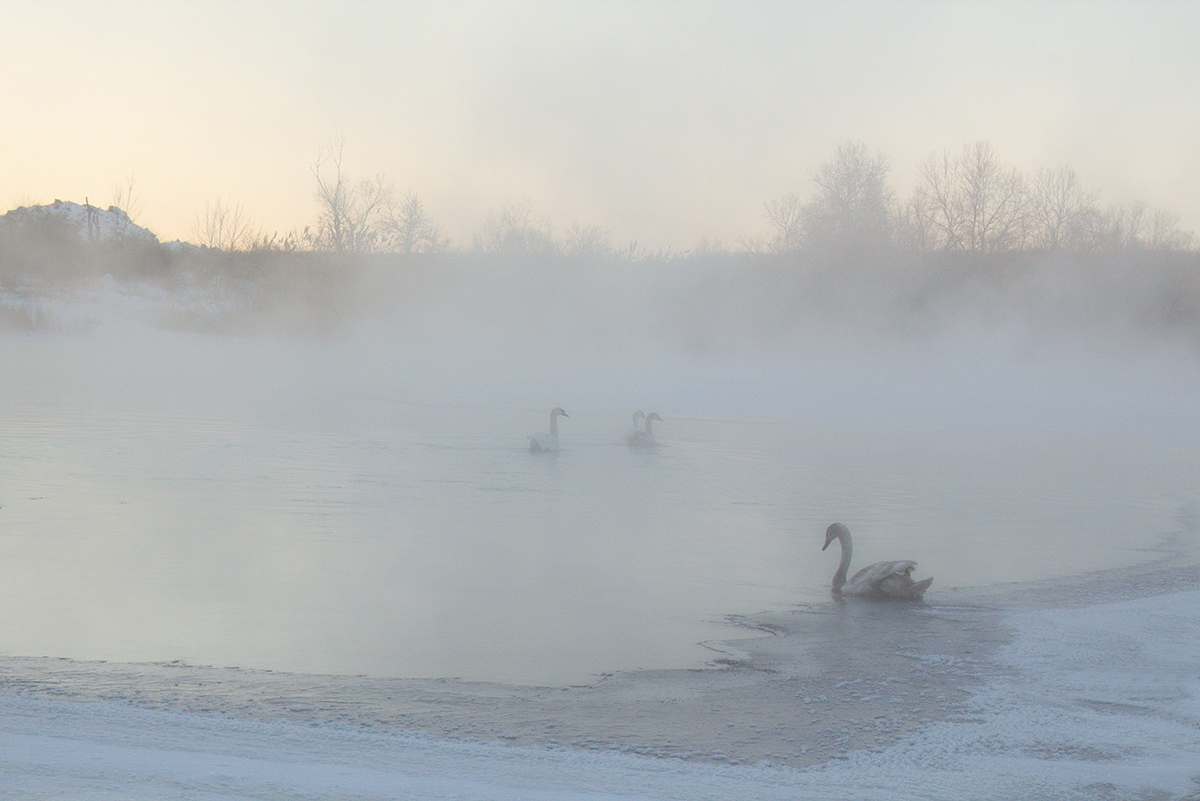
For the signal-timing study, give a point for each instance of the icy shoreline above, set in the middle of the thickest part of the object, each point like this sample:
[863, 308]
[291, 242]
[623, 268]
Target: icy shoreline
[1100, 700]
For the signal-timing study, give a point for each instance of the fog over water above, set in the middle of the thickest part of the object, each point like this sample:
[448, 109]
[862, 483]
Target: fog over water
[183, 484]
[291, 292]
[271, 520]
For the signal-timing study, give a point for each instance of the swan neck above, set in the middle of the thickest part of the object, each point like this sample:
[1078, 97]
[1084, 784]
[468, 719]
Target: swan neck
[839, 578]
[649, 428]
[553, 424]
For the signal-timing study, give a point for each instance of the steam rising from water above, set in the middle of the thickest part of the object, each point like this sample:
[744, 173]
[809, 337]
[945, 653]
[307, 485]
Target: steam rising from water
[325, 469]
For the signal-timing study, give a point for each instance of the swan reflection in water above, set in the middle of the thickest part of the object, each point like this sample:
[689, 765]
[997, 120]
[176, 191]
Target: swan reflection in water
[880, 580]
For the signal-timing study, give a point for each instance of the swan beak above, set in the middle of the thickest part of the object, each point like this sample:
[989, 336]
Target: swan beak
[826, 545]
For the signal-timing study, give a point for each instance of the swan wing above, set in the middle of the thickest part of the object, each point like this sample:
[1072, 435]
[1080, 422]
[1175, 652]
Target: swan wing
[543, 442]
[881, 570]
[879, 577]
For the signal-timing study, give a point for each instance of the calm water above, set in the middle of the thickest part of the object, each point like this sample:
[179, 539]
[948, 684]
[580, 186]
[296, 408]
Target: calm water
[353, 530]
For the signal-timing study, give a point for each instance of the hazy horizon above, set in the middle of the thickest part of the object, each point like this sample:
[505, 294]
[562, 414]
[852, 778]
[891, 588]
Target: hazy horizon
[279, 513]
[662, 122]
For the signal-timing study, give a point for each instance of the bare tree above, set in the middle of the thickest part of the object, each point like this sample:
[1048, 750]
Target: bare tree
[588, 242]
[995, 201]
[226, 227]
[935, 214]
[351, 215]
[124, 196]
[1059, 207]
[410, 230]
[126, 204]
[1122, 226]
[1136, 225]
[1162, 232]
[515, 228]
[853, 207]
[785, 215]
[969, 203]
[915, 226]
[758, 244]
[711, 247]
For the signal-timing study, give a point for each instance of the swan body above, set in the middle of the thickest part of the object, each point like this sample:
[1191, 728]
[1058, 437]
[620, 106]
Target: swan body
[540, 443]
[644, 439]
[880, 580]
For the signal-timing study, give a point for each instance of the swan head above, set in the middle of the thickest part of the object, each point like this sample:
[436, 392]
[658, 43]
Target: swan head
[559, 411]
[653, 416]
[834, 531]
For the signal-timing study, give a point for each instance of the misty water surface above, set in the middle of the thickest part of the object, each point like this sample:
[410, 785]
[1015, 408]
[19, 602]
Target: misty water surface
[353, 505]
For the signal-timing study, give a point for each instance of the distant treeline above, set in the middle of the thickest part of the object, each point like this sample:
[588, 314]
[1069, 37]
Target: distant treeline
[964, 202]
[975, 240]
[698, 301]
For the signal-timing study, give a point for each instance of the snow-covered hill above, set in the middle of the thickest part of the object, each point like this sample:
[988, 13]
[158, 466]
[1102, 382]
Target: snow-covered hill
[92, 222]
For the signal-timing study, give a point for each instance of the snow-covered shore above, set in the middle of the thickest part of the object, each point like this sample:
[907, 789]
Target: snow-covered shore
[1098, 701]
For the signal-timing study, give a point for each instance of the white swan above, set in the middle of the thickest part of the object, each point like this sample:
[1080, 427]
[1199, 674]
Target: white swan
[880, 580]
[547, 442]
[644, 439]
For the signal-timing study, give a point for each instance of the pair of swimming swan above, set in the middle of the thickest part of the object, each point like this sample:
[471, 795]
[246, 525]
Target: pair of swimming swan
[638, 438]
[880, 580]
[643, 437]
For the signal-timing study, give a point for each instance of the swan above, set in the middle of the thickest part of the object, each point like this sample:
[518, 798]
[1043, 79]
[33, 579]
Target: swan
[880, 580]
[644, 439]
[547, 442]
[635, 432]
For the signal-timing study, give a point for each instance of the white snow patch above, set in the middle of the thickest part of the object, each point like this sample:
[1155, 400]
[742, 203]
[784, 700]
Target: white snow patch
[105, 300]
[1101, 696]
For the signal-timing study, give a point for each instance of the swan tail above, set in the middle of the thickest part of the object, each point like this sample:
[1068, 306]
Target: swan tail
[899, 585]
[918, 589]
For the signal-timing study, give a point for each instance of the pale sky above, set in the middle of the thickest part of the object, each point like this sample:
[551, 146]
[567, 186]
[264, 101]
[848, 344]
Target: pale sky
[664, 122]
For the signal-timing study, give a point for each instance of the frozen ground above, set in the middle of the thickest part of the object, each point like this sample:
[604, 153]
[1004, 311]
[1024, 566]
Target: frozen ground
[1096, 701]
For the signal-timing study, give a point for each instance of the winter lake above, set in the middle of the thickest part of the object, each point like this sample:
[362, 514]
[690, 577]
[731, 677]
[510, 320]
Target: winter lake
[312, 507]
[354, 522]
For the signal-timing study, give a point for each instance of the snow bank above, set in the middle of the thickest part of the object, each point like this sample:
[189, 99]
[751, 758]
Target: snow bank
[1095, 702]
[91, 222]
